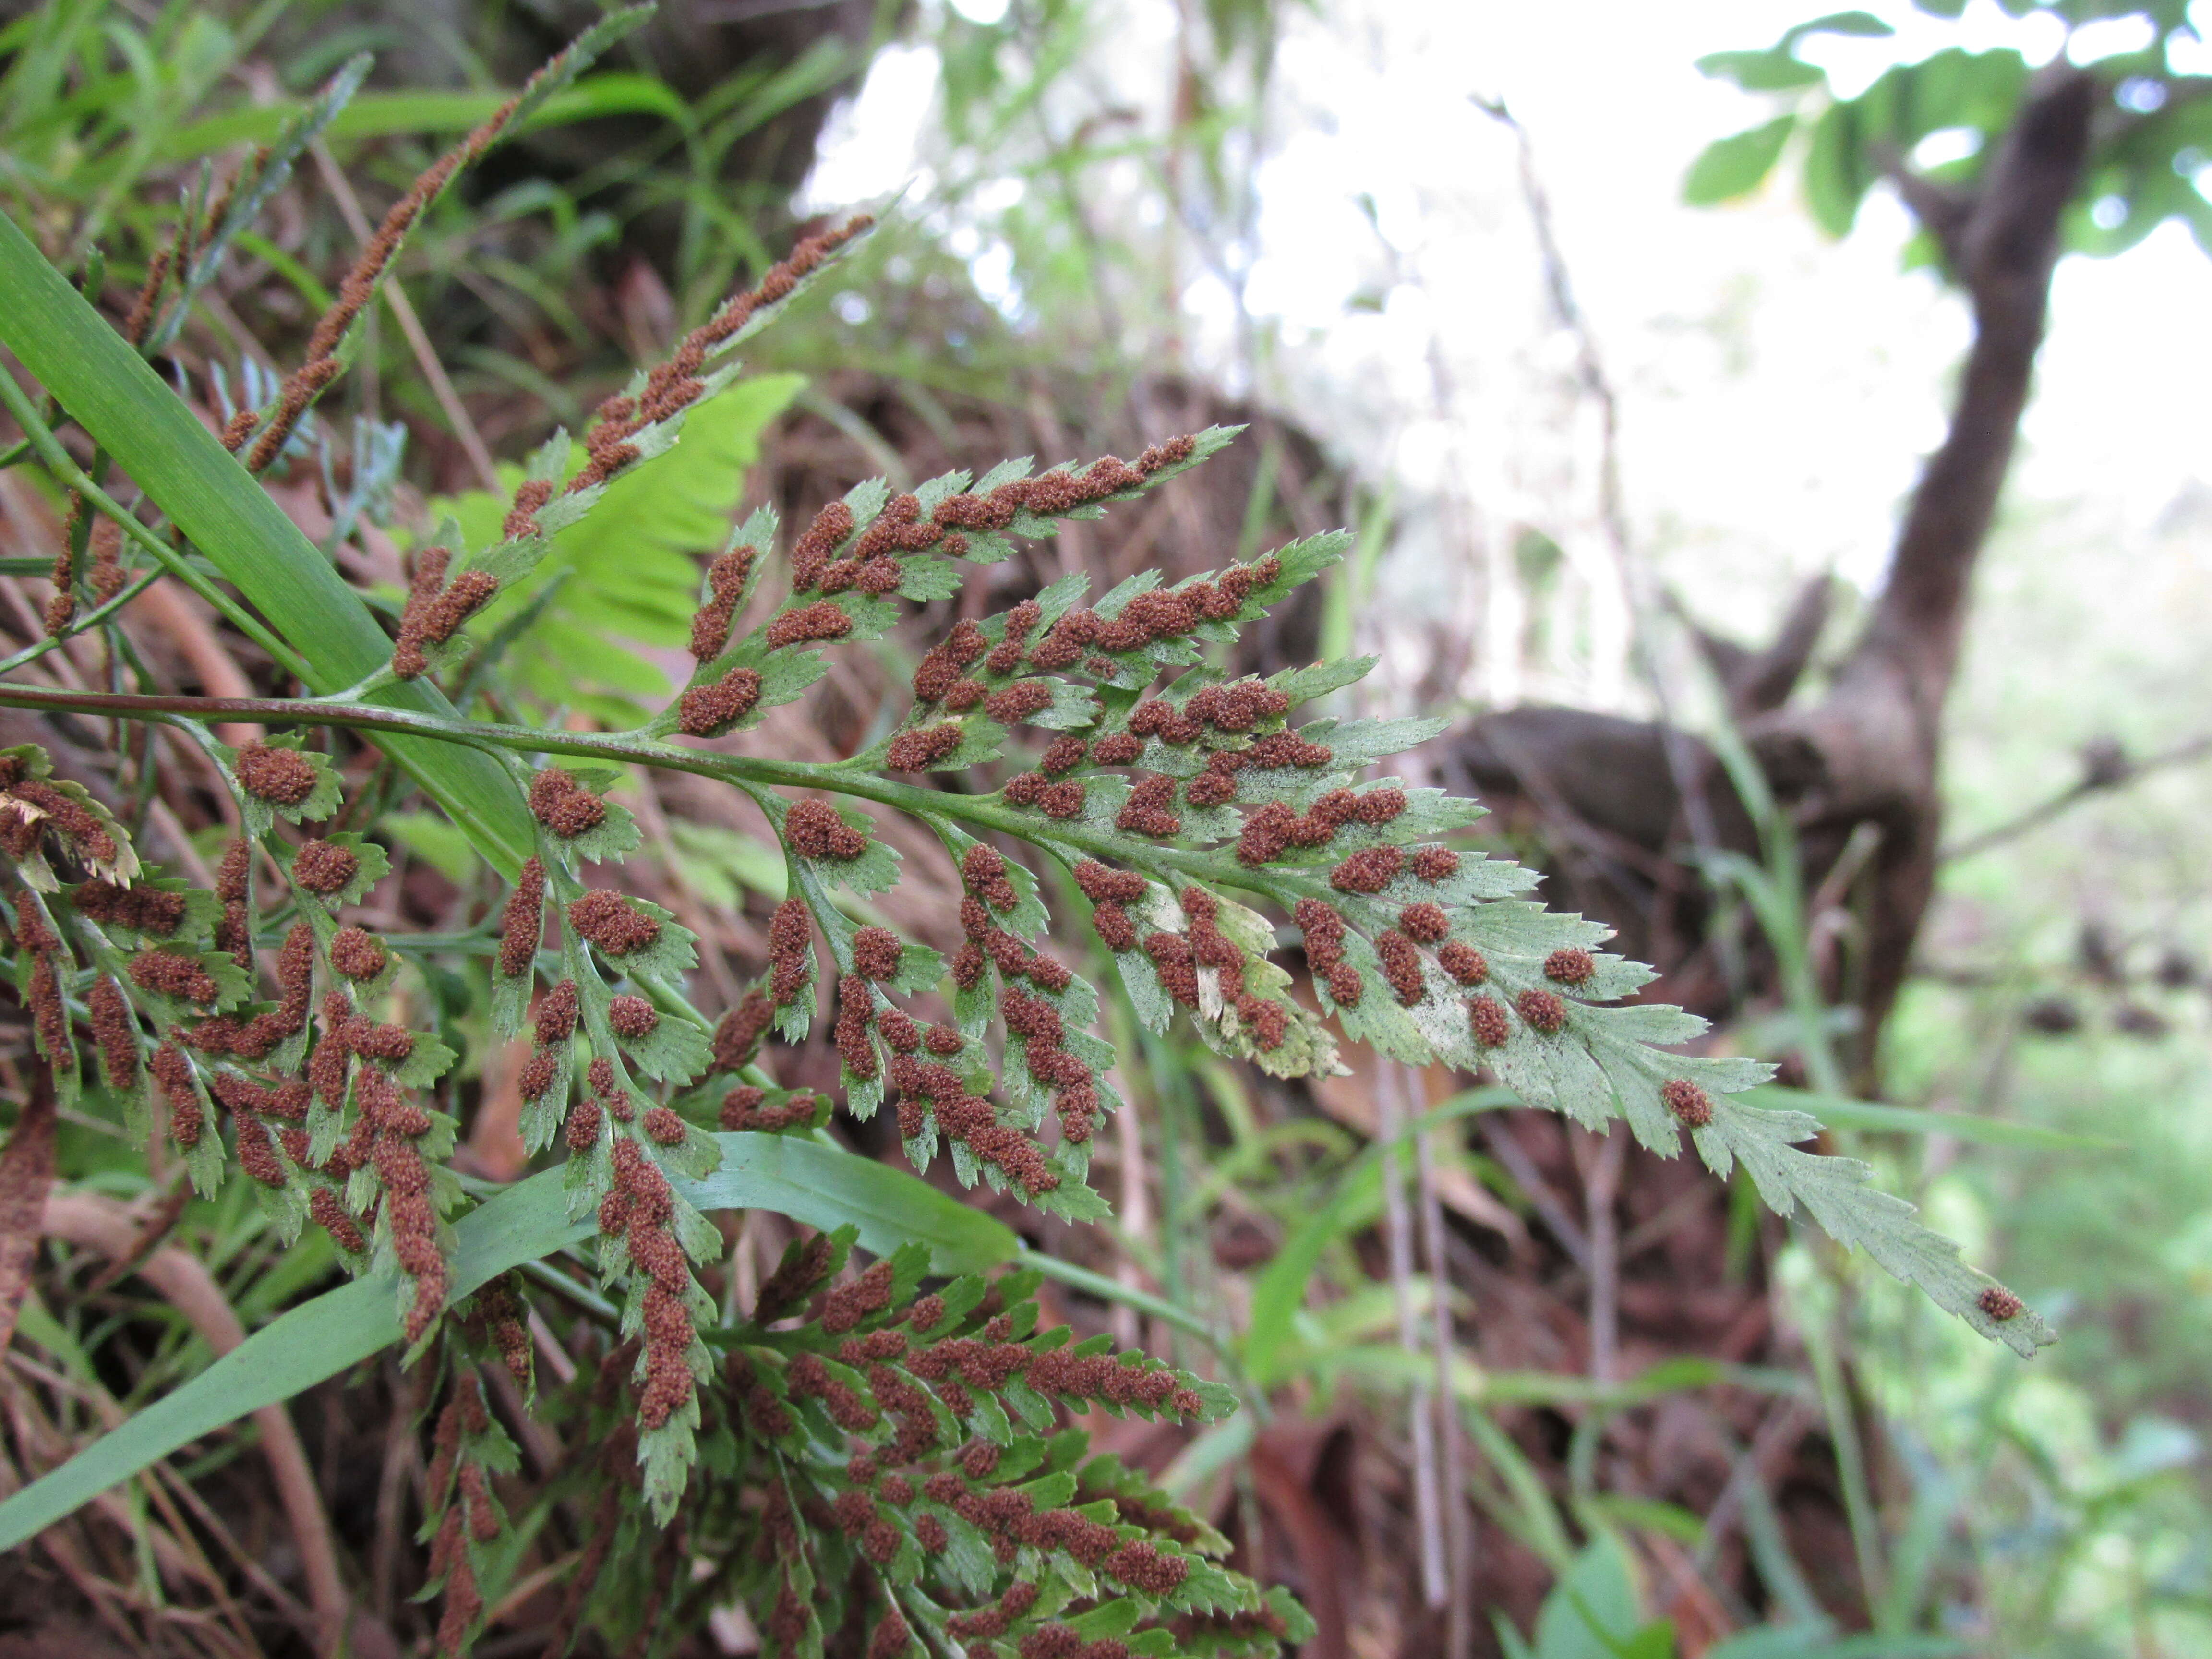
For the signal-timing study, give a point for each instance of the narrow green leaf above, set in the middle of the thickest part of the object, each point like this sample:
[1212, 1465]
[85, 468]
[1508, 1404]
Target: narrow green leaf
[314, 1341]
[1760, 71]
[1863, 24]
[1592, 1612]
[378, 115]
[1837, 171]
[827, 1187]
[1281, 1290]
[823, 1186]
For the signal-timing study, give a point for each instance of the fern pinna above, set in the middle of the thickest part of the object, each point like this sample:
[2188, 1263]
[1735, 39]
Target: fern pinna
[869, 1458]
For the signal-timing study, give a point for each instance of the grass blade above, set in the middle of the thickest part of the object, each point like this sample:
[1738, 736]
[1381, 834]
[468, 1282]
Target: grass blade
[388, 114]
[827, 1187]
[823, 1186]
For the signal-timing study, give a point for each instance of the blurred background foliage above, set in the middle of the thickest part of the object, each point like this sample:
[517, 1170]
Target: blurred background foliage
[1668, 1426]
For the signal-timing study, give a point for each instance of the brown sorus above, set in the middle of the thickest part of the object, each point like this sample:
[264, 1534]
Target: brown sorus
[1571, 966]
[1267, 834]
[1424, 923]
[2000, 1303]
[582, 1130]
[709, 711]
[560, 802]
[1324, 932]
[608, 921]
[144, 909]
[1486, 1017]
[323, 1204]
[521, 924]
[1368, 872]
[521, 519]
[1543, 1012]
[174, 1073]
[1114, 926]
[1463, 962]
[813, 550]
[1287, 749]
[1435, 863]
[790, 951]
[114, 1032]
[1401, 965]
[538, 1074]
[822, 620]
[1344, 985]
[984, 870]
[726, 586]
[940, 670]
[230, 881]
[1687, 1102]
[856, 1012]
[1017, 701]
[169, 974]
[876, 952]
[816, 831]
[1063, 756]
[1006, 656]
[1100, 882]
[283, 777]
[738, 1035]
[632, 1017]
[919, 750]
[323, 868]
[556, 1014]
[1148, 812]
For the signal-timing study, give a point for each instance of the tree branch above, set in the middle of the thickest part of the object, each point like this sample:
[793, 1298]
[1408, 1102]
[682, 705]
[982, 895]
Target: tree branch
[1759, 681]
[2101, 773]
[1944, 211]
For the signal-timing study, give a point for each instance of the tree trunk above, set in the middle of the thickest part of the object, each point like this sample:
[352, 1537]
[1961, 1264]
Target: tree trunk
[1867, 751]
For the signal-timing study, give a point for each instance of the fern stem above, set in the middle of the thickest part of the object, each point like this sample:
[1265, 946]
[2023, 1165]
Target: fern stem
[838, 777]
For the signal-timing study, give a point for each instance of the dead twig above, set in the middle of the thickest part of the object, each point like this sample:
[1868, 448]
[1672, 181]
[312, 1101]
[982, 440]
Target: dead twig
[2105, 768]
[1507, 1149]
[176, 1552]
[1635, 578]
[27, 1169]
[1600, 1187]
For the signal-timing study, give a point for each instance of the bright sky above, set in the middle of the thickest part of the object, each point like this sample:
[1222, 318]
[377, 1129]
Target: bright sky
[1778, 389]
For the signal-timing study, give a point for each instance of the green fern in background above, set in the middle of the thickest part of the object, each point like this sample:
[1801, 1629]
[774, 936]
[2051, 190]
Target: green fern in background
[624, 575]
